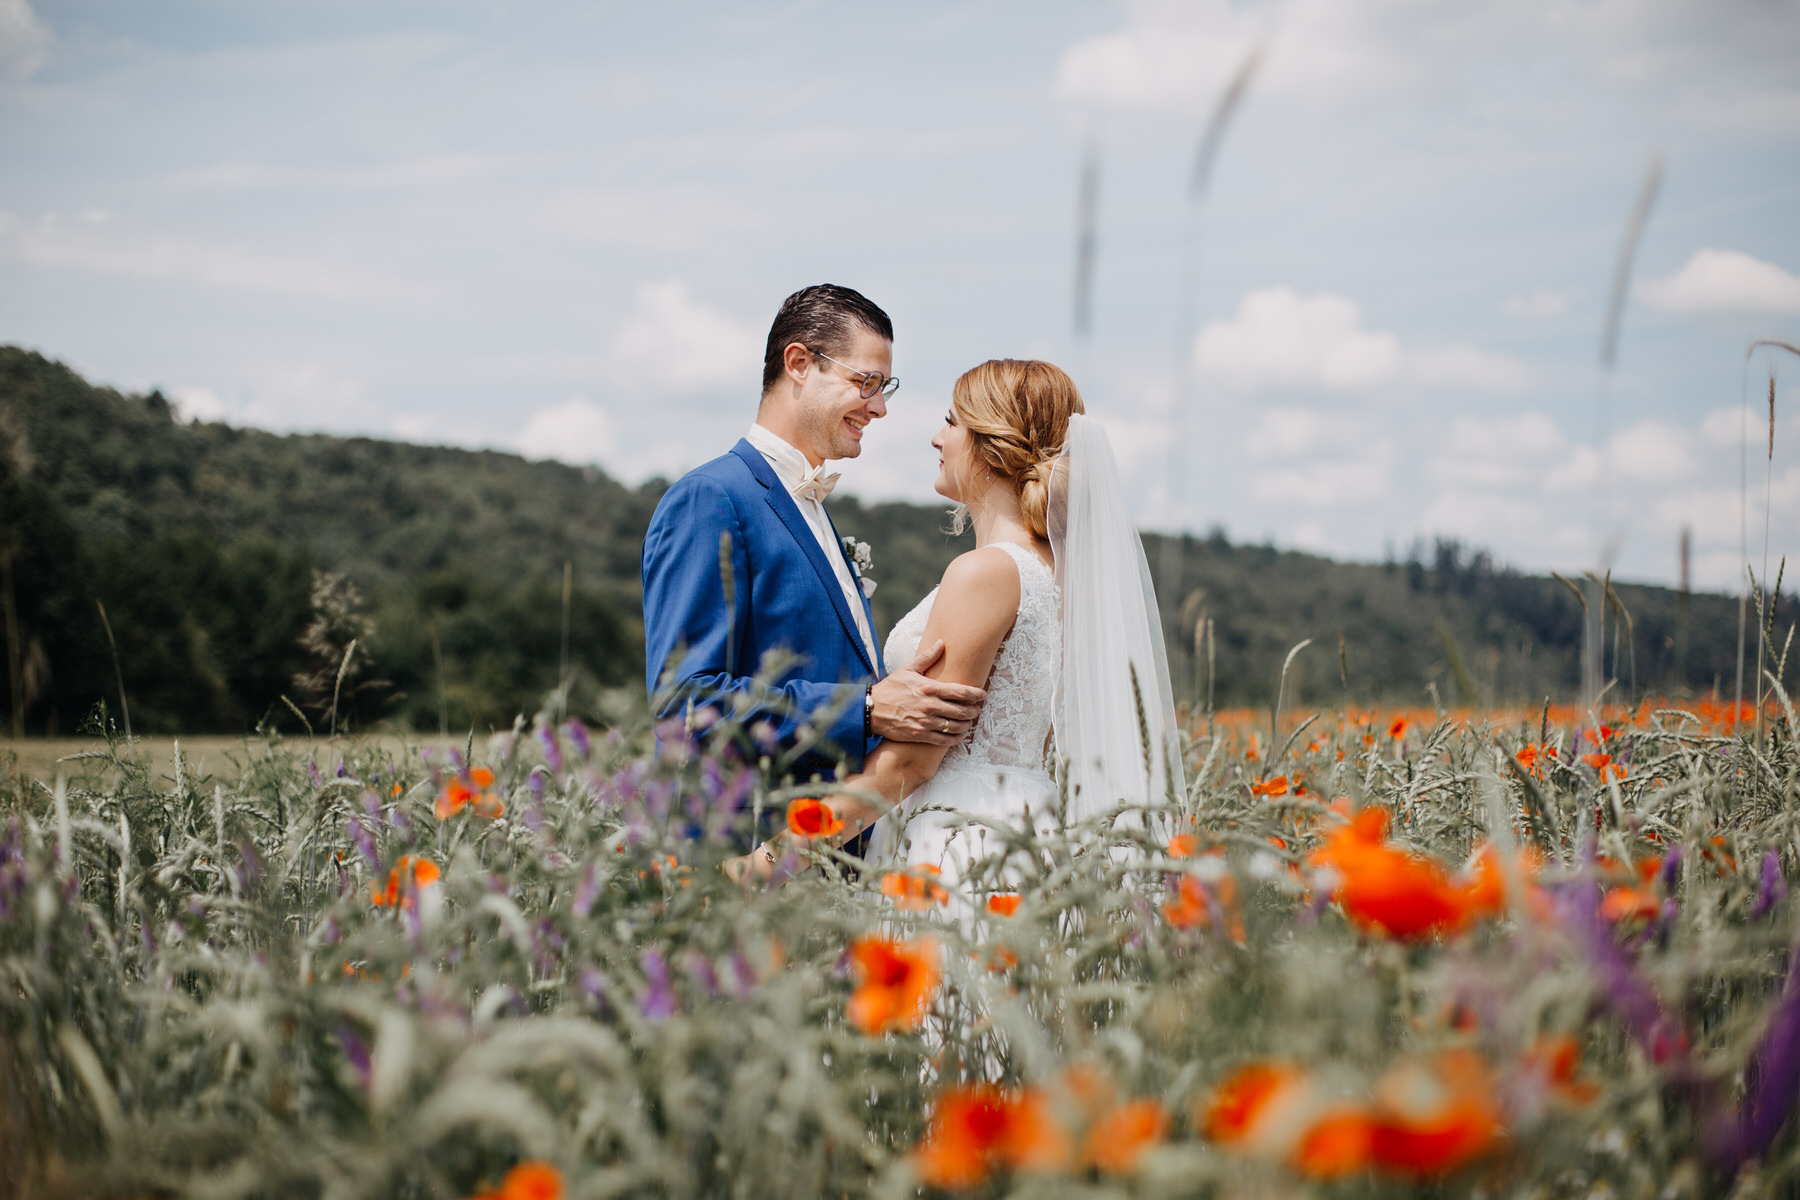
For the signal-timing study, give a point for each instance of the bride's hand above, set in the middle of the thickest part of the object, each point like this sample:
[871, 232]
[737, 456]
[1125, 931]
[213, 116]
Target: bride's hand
[909, 706]
[756, 867]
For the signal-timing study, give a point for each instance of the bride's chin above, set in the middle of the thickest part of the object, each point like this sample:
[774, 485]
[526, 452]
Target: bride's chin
[946, 491]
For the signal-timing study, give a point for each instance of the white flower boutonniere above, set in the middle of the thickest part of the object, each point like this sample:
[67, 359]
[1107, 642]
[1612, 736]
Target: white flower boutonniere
[861, 563]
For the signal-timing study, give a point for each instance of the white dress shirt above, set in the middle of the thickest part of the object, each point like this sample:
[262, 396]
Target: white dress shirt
[790, 465]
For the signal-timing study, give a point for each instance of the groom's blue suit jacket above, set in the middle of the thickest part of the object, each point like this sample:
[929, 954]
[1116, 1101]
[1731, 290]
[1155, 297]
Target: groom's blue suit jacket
[783, 596]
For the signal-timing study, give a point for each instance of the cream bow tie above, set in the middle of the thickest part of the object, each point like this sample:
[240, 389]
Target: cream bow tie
[815, 484]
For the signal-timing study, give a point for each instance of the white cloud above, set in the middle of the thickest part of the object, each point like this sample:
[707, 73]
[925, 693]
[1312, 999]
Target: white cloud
[575, 431]
[661, 218]
[672, 343]
[1466, 366]
[199, 404]
[1725, 281]
[1281, 339]
[1540, 305]
[1174, 58]
[100, 247]
[24, 40]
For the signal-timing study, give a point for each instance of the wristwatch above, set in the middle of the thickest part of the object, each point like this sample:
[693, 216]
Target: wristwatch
[868, 711]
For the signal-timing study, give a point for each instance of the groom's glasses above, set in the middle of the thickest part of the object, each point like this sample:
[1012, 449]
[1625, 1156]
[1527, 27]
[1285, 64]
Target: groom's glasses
[872, 381]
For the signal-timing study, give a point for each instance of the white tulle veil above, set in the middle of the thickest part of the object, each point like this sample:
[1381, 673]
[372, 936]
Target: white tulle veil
[1112, 632]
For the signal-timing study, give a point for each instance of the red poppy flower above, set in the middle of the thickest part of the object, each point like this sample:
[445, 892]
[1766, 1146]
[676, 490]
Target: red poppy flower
[408, 875]
[978, 1129]
[809, 818]
[913, 890]
[1003, 904]
[894, 983]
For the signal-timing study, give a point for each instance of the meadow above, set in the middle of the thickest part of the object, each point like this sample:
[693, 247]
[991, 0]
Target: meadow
[1488, 953]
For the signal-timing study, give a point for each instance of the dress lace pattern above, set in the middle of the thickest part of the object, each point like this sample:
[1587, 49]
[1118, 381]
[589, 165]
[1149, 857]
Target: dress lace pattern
[1013, 730]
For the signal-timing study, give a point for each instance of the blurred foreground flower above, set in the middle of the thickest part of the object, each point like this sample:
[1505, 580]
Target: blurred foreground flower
[470, 788]
[810, 818]
[914, 890]
[408, 875]
[1116, 1141]
[1385, 887]
[527, 1181]
[1427, 1118]
[895, 982]
[978, 1129]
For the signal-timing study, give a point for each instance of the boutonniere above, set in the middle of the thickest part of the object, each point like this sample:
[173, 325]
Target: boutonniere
[861, 563]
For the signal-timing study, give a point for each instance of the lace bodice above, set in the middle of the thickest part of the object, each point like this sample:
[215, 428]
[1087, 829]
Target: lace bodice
[1014, 727]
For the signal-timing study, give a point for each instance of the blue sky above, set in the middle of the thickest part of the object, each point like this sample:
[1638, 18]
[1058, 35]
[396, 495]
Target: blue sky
[563, 228]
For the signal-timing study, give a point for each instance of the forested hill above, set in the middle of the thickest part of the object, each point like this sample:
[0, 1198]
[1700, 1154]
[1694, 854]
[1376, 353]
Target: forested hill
[235, 566]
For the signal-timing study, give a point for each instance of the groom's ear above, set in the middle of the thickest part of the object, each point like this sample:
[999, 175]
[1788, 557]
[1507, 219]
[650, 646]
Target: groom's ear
[796, 360]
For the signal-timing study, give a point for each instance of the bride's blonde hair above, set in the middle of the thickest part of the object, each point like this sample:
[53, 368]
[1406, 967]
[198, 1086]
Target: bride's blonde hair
[1017, 413]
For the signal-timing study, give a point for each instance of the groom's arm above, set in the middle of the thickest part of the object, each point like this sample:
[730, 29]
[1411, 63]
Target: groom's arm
[696, 635]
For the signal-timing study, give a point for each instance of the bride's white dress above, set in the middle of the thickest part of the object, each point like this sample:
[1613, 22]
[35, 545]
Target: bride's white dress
[998, 772]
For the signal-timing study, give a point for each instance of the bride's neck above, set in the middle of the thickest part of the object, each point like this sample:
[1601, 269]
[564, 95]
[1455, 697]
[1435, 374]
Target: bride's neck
[996, 517]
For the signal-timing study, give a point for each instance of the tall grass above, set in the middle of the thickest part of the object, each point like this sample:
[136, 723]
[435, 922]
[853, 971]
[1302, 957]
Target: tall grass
[239, 982]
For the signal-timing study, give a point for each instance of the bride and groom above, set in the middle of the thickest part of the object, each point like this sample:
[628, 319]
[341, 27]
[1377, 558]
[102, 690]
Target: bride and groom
[1040, 647]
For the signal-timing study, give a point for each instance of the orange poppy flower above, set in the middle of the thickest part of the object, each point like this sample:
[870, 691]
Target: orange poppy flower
[1115, 1141]
[394, 791]
[1190, 906]
[1003, 904]
[978, 1129]
[1334, 1145]
[1386, 888]
[528, 1181]
[1183, 845]
[1630, 904]
[469, 789]
[1397, 728]
[1598, 736]
[1534, 757]
[1433, 1116]
[1232, 1113]
[915, 889]
[1277, 786]
[894, 983]
[1604, 764]
[1273, 1110]
[408, 875]
[809, 818]
[1552, 1060]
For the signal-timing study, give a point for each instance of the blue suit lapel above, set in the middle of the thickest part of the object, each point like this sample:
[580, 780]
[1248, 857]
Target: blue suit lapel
[789, 512]
[868, 610]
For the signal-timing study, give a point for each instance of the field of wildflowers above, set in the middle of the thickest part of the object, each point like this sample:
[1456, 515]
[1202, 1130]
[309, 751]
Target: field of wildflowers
[1408, 952]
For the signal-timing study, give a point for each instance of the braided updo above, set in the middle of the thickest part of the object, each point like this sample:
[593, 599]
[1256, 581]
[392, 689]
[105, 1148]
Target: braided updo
[1017, 413]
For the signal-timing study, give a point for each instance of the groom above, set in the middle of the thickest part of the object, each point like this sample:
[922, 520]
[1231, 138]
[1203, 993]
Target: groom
[791, 586]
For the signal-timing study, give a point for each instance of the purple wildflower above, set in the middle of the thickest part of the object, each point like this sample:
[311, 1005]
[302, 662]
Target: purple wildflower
[700, 969]
[1773, 887]
[342, 770]
[577, 733]
[1623, 990]
[658, 1003]
[365, 845]
[356, 1051]
[553, 758]
[588, 891]
[593, 986]
[1771, 1081]
[250, 869]
[1671, 869]
[740, 976]
[312, 770]
[536, 782]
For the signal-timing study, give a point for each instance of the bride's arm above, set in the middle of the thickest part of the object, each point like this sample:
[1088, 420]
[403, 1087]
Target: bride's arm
[976, 605]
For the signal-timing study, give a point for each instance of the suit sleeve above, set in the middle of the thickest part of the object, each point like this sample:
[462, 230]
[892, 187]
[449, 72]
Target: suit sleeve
[696, 634]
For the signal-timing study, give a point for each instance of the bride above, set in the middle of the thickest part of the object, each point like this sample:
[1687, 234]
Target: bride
[1052, 613]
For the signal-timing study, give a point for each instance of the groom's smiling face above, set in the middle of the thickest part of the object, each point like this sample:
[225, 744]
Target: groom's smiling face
[830, 412]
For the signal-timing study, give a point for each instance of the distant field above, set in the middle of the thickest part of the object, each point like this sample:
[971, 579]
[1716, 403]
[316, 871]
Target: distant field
[41, 758]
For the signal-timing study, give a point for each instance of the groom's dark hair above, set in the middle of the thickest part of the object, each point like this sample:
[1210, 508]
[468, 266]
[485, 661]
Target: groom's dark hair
[823, 318]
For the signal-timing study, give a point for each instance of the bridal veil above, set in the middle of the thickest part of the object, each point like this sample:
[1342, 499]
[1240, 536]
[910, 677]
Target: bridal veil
[1115, 666]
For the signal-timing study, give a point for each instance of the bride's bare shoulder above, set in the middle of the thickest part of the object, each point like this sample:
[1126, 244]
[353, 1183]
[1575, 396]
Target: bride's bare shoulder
[981, 579]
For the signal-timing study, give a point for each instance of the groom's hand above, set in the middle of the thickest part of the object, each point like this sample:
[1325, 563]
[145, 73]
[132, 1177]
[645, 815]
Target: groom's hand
[909, 706]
